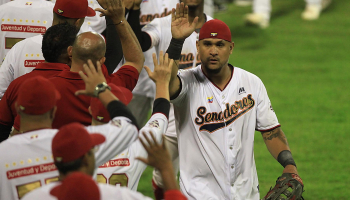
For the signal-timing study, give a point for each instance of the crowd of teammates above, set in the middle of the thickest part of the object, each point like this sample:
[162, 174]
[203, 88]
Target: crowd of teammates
[68, 75]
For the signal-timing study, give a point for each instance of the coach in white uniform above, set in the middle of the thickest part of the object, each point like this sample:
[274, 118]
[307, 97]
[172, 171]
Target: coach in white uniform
[217, 109]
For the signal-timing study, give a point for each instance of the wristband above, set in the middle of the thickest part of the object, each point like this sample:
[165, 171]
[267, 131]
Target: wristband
[175, 48]
[285, 158]
[116, 23]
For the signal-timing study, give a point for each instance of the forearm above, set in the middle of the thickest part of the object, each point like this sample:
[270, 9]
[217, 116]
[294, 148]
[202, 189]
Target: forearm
[131, 47]
[276, 143]
[143, 38]
[168, 177]
[174, 51]
[114, 51]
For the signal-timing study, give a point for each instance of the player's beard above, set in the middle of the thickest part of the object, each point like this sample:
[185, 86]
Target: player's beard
[211, 71]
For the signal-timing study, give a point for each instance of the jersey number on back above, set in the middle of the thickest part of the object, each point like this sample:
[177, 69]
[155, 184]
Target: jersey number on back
[114, 179]
[25, 188]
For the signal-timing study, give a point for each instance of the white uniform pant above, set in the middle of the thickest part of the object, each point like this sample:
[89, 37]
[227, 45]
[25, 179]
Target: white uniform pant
[264, 6]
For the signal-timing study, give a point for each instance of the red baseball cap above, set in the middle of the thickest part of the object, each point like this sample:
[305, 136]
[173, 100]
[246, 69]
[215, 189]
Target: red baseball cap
[37, 96]
[73, 9]
[99, 112]
[72, 141]
[215, 29]
[77, 185]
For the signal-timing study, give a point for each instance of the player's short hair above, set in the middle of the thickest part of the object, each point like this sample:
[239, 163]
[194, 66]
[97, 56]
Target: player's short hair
[56, 40]
[65, 168]
[72, 166]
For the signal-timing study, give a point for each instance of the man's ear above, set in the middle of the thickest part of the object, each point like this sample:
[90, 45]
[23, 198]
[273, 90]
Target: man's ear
[18, 110]
[53, 112]
[102, 60]
[231, 47]
[90, 110]
[69, 51]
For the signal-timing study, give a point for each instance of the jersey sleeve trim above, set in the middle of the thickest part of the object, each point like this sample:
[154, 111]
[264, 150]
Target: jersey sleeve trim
[269, 129]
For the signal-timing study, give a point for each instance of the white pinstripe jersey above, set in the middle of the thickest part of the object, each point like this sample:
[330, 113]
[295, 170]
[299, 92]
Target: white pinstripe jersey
[216, 134]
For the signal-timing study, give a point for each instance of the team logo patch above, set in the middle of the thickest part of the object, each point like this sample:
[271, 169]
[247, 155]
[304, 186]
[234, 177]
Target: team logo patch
[100, 118]
[213, 121]
[58, 159]
[154, 124]
[213, 34]
[33, 136]
[29, 3]
[59, 11]
[271, 107]
[116, 122]
[210, 99]
[241, 90]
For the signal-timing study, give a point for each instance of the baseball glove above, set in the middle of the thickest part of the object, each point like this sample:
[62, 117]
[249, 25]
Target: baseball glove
[288, 187]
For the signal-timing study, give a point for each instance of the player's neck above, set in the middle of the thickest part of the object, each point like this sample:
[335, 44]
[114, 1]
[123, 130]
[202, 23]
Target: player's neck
[27, 126]
[76, 66]
[222, 78]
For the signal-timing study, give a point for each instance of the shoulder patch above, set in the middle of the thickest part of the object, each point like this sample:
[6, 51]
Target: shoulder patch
[154, 124]
[116, 122]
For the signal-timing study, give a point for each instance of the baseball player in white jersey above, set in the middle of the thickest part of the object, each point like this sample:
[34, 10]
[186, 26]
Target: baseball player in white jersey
[158, 32]
[27, 161]
[217, 108]
[26, 54]
[22, 19]
[143, 93]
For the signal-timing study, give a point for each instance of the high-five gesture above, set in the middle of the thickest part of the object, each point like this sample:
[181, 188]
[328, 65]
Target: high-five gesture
[115, 9]
[181, 28]
[161, 74]
[162, 71]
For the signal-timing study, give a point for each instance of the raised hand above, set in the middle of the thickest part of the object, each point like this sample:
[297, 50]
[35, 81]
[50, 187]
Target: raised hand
[181, 28]
[162, 71]
[114, 9]
[137, 4]
[92, 78]
[158, 156]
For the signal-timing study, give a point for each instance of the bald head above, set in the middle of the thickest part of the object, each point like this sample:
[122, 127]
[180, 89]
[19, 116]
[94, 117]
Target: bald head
[88, 45]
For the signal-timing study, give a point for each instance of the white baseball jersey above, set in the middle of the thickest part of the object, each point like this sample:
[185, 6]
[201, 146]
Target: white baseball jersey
[4, 1]
[107, 192]
[96, 22]
[160, 32]
[124, 169]
[22, 19]
[150, 9]
[26, 159]
[216, 134]
[23, 58]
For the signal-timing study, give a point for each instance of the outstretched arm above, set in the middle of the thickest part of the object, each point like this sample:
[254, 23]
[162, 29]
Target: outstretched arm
[276, 143]
[132, 51]
[181, 28]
